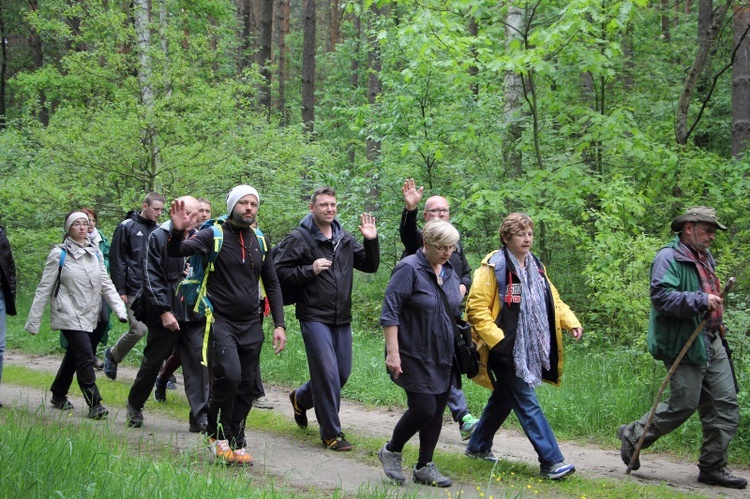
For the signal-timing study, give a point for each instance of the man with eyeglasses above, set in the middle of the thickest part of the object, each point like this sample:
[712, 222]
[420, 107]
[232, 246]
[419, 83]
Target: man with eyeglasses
[684, 291]
[411, 238]
[126, 257]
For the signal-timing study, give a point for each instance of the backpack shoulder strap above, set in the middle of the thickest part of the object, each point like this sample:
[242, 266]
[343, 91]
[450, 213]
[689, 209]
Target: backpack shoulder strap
[307, 236]
[262, 243]
[63, 253]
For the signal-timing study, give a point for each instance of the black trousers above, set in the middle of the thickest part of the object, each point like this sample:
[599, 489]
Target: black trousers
[159, 345]
[235, 354]
[80, 357]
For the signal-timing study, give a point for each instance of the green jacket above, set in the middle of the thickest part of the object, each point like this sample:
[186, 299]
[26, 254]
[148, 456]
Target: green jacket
[677, 305]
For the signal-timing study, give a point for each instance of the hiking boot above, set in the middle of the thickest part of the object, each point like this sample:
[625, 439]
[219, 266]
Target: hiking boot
[557, 470]
[627, 449]
[199, 425]
[221, 450]
[160, 391]
[300, 415]
[429, 475]
[722, 477]
[484, 455]
[173, 380]
[392, 465]
[134, 417]
[98, 411]
[262, 403]
[468, 423]
[171, 385]
[63, 404]
[110, 366]
[242, 457]
[337, 443]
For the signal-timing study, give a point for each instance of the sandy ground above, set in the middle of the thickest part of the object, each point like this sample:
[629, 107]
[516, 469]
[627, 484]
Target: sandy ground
[305, 464]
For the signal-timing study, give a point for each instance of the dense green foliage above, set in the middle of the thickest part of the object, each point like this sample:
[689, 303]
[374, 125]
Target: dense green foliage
[599, 169]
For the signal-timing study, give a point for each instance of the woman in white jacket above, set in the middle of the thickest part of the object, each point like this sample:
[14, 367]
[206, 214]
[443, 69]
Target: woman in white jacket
[74, 281]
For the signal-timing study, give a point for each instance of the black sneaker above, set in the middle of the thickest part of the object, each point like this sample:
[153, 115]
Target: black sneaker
[110, 366]
[134, 417]
[63, 404]
[300, 415]
[160, 392]
[723, 478]
[627, 449]
[98, 411]
[337, 443]
[199, 425]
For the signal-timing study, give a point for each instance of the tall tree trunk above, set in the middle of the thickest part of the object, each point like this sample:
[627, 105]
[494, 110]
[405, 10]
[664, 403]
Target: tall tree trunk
[706, 39]
[628, 52]
[665, 21]
[142, 18]
[37, 57]
[513, 110]
[308, 66]
[741, 81]
[354, 71]
[282, 28]
[374, 89]
[334, 32]
[3, 69]
[164, 41]
[264, 55]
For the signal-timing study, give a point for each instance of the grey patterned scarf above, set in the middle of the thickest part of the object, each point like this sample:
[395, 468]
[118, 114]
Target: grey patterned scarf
[531, 350]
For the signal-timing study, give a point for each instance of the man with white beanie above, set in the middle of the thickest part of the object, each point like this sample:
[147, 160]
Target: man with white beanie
[237, 335]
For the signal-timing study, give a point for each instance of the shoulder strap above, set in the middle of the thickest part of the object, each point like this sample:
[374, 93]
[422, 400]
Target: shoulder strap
[308, 239]
[262, 243]
[63, 253]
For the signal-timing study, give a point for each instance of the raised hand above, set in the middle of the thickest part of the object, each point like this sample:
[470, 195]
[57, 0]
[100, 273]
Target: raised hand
[367, 227]
[181, 219]
[412, 195]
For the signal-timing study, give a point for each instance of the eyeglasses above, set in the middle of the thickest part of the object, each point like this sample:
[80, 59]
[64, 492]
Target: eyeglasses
[80, 224]
[443, 249]
[438, 211]
[708, 230]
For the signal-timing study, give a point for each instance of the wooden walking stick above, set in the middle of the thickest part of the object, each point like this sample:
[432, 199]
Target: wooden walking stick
[675, 364]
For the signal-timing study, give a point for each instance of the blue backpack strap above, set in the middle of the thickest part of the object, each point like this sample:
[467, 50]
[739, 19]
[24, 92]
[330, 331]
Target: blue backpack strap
[63, 253]
[203, 305]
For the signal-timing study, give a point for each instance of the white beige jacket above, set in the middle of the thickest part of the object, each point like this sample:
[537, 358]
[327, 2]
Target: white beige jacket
[83, 282]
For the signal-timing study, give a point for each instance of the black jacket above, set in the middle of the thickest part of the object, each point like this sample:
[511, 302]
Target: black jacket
[161, 278]
[411, 238]
[127, 253]
[7, 274]
[327, 297]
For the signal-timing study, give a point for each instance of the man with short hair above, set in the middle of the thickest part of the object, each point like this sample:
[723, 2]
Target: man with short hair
[171, 324]
[7, 290]
[126, 268]
[684, 291]
[236, 335]
[411, 238]
[204, 211]
[324, 309]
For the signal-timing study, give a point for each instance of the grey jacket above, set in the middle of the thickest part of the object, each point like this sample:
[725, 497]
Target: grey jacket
[83, 281]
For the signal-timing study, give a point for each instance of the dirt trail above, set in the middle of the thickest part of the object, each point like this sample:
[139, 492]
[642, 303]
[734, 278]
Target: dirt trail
[306, 464]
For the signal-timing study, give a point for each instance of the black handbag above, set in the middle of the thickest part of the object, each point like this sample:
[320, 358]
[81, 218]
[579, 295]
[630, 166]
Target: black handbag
[467, 356]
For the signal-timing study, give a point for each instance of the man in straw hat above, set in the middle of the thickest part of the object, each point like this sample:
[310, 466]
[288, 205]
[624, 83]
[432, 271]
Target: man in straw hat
[684, 290]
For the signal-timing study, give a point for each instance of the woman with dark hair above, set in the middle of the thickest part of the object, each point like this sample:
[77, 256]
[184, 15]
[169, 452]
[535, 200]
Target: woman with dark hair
[518, 314]
[74, 281]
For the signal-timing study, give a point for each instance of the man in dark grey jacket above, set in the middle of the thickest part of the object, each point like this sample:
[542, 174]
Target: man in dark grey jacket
[7, 290]
[126, 267]
[169, 322]
[324, 309]
[411, 238]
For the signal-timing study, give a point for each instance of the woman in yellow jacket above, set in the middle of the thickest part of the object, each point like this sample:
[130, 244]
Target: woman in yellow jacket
[518, 316]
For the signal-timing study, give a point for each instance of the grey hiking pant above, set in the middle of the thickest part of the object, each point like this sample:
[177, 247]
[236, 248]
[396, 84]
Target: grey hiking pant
[133, 335]
[709, 390]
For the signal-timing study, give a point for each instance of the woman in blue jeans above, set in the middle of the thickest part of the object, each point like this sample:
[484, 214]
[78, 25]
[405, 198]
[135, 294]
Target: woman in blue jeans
[516, 311]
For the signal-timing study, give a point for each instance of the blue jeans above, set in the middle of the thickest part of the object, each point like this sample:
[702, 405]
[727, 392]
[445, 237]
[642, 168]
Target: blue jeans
[511, 392]
[329, 358]
[2, 331]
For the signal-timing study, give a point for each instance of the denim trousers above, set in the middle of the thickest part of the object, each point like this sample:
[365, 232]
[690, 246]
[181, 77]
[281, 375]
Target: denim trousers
[513, 393]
